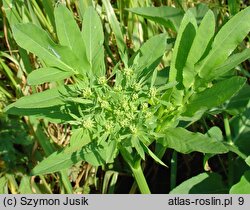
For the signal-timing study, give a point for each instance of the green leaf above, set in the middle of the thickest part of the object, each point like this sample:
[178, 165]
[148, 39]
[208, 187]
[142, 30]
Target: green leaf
[201, 40]
[199, 11]
[184, 141]
[69, 34]
[214, 96]
[240, 125]
[240, 102]
[122, 47]
[37, 41]
[151, 154]
[25, 186]
[204, 183]
[93, 37]
[243, 186]
[150, 54]
[92, 153]
[170, 17]
[248, 160]
[182, 46]
[49, 10]
[54, 114]
[229, 64]
[47, 74]
[226, 40]
[3, 185]
[80, 137]
[136, 144]
[47, 98]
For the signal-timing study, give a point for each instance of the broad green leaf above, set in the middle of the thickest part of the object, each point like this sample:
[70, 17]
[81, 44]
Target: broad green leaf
[150, 54]
[184, 141]
[182, 46]
[37, 41]
[229, 64]
[122, 48]
[243, 186]
[201, 40]
[240, 125]
[204, 183]
[47, 74]
[93, 37]
[240, 102]
[69, 34]
[170, 17]
[214, 96]
[47, 98]
[94, 154]
[83, 5]
[248, 160]
[226, 40]
[215, 133]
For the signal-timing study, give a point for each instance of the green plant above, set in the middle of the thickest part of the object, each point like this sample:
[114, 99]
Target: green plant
[125, 111]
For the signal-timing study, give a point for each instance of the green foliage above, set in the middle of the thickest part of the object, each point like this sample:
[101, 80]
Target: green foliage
[243, 186]
[184, 141]
[127, 108]
[204, 183]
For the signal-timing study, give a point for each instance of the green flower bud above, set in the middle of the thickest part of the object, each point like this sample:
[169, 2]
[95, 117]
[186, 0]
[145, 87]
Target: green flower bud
[88, 123]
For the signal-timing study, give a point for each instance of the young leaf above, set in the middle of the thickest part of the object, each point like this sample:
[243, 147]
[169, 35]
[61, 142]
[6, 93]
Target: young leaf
[200, 184]
[92, 153]
[151, 52]
[37, 41]
[79, 139]
[226, 40]
[69, 34]
[203, 36]
[184, 141]
[151, 154]
[122, 48]
[243, 186]
[47, 74]
[182, 46]
[214, 96]
[93, 37]
[170, 17]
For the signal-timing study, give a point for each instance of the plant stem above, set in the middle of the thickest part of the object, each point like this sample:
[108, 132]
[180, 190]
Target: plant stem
[173, 174]
[45, 184]
[140, 179]
[230, 155]
[135, 166]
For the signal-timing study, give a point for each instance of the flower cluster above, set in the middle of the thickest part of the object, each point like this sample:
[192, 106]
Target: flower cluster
[121, 111]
